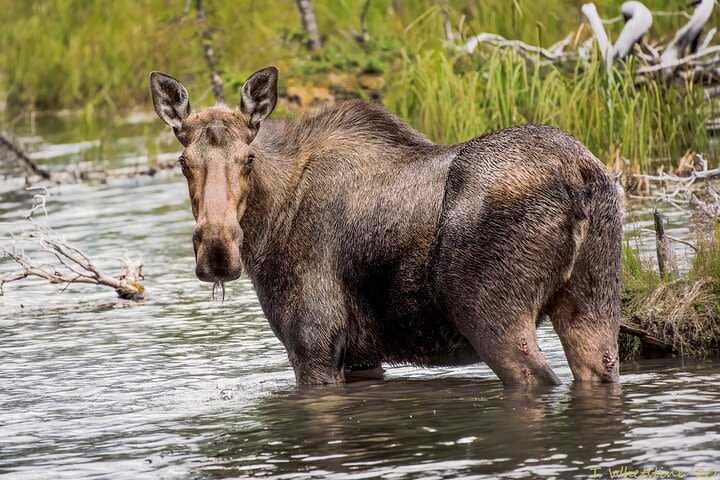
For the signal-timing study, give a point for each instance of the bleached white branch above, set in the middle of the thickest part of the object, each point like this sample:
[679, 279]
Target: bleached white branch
[73, 265]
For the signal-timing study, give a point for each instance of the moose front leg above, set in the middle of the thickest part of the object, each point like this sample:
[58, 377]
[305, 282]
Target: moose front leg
[314, 334]
[316, 356]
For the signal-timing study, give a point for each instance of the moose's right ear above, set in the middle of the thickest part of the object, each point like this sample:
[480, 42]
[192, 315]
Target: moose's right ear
[170, 100]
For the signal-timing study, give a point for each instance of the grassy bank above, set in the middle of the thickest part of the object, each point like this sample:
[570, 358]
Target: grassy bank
[59, 54]
[679, 310]
[97, 54]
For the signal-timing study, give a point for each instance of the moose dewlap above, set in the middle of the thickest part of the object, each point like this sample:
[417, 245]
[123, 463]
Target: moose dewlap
[367, 243]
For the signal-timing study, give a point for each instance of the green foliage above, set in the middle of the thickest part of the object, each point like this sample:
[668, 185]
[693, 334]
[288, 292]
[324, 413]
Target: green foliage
[97, 54]
[609, 113]
[638, 275]
[706, 264]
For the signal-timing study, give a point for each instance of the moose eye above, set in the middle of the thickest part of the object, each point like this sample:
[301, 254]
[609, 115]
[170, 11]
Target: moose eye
[183, 165]
[250, 160]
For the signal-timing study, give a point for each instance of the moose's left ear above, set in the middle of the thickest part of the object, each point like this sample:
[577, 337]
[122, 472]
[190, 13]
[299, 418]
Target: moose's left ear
[259, 97]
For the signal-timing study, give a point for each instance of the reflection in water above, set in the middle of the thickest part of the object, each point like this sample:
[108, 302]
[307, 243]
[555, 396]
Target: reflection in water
[182, 386]
[422, 426]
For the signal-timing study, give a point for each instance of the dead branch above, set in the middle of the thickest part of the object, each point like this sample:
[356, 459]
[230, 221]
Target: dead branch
[496, 40]
[647, 338]
[21, 156]
[671, 238]
[700, 60]
[61, 263]
[684, 61]
[677, 188]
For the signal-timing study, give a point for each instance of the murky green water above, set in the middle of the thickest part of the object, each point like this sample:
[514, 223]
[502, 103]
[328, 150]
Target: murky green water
[186, 387]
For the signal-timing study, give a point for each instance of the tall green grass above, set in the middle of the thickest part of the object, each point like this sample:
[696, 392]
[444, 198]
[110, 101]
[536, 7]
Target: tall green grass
[59, 53]
[96, 55]
[455, 97]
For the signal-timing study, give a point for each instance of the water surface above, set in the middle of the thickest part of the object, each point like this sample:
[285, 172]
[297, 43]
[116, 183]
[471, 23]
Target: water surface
[186, 387]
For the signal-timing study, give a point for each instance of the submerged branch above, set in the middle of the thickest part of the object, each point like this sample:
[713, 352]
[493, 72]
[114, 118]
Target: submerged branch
[22, 157]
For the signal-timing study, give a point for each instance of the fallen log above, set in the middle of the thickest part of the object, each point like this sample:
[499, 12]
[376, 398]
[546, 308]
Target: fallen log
[648, 341]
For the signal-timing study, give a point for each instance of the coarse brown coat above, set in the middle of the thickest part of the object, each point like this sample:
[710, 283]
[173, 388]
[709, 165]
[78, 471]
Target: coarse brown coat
[367, 243]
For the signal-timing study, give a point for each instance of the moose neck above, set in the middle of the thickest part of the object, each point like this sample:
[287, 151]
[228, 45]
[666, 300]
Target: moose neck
[277, 171]
[284, 148]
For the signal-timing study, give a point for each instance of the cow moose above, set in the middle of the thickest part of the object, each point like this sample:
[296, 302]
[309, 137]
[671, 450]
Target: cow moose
[367, 243]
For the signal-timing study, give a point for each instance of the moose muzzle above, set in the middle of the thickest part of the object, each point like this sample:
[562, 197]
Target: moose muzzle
[217, 250]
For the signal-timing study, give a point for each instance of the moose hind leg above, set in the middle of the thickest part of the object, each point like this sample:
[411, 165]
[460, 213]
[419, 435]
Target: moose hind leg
[586, 310]
[590, 342]
[586, 317]
[507, 343]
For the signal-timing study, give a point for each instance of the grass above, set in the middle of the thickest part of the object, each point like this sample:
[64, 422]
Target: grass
[609, 113]
[96, 55]
[681, 310]
[66, 54]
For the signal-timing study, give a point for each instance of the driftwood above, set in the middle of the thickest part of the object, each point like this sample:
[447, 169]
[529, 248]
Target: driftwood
[71, 264]
[638, 20]
[678, 188]
[606, 49]
[685, 56]
[686, 39]
[496, 40]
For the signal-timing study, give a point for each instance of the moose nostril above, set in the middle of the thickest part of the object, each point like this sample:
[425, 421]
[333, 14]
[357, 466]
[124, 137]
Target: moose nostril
[217, 255]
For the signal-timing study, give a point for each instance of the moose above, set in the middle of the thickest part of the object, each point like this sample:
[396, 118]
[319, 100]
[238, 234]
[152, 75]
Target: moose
[367, 243]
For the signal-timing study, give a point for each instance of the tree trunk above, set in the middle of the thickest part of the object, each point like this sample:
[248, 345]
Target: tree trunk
[215, 79]
[660, 243]
[309, 23]
[365, 36]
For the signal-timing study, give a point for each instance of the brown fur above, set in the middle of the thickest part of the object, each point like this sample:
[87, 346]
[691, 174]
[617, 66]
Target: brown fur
[367, 243]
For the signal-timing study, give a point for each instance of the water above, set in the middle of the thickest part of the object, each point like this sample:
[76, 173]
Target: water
[183, 386]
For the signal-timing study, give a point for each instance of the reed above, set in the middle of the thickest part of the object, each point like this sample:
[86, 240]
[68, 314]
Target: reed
[626, 125]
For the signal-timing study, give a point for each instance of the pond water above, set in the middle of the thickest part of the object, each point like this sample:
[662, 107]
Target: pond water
[183, 386]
